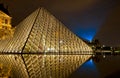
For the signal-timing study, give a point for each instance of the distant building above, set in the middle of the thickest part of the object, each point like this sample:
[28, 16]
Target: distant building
[6, 30]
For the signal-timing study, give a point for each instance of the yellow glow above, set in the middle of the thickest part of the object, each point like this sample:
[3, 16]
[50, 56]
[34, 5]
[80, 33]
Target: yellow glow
[6, 30]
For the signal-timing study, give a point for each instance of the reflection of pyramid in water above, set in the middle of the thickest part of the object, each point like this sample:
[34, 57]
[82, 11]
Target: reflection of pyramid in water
[43, 33]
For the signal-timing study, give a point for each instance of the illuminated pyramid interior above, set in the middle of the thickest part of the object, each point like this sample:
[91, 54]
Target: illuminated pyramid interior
[42, 47]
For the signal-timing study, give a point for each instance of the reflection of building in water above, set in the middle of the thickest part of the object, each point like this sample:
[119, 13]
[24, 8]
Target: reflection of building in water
[4, 71]
[50, 49]
[6, 30]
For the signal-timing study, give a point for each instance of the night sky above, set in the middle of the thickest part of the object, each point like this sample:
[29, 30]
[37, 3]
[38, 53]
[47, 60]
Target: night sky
[88, 19]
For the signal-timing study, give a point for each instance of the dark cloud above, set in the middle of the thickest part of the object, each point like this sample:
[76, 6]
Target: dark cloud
[109, 32]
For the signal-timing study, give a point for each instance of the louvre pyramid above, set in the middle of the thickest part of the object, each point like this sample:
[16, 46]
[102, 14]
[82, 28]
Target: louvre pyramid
[42, 47]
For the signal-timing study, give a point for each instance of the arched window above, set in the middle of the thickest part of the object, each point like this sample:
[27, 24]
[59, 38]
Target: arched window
[6, 21]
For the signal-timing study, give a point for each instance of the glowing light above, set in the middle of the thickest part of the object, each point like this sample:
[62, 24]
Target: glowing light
[89, 24]
[104, 56]
[50, 49]
[91, 66]
[61, 41]
[86, 33]
[88, 69]
[6, 30]
[90, 63]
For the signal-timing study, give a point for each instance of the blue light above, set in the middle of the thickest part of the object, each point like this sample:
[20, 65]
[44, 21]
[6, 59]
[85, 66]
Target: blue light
[86, 33]
[89, 24]
[88, 30]
[88, 69]
[91, 61]
[90, 64]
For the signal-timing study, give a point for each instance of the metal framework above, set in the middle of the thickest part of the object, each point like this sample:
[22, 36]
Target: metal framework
[42, 47]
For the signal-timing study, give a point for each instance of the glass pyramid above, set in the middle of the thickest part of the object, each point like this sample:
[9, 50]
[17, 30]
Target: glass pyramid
[42, 47]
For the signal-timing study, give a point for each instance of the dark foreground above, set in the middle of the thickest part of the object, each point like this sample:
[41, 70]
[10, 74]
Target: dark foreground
[100, 66]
